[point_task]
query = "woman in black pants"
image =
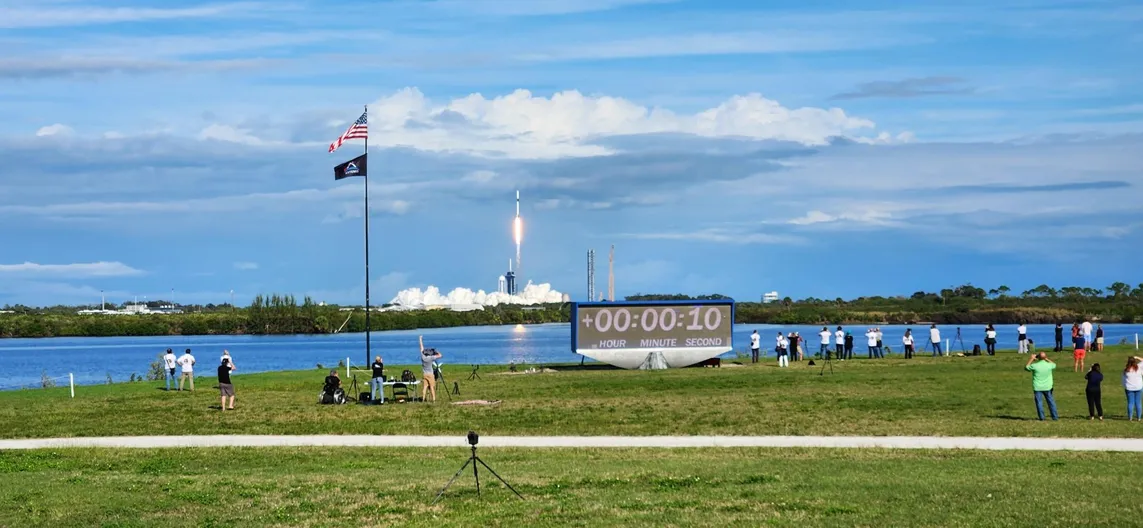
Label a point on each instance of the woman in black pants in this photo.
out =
(1094, 397)
(990, 340)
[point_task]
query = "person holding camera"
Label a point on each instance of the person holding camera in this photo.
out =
(1042, 383)
(187, 362)
(375, 384)
(170, 363)
(225, 388)
(428, 377)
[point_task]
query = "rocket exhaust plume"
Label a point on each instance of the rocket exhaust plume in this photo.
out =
(518, 231)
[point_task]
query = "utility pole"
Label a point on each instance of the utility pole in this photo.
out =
(611, 275)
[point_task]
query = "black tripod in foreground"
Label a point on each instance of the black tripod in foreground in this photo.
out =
(473, 438)
(475, 375)
(828, 360)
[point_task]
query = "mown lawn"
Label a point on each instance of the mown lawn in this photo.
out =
(568, 487)
(925, 396)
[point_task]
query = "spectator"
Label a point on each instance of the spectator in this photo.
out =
(429, 378)
(187, 362)
(1133, 385)
(825, 335)
(780, 350)
(935, 339)
(795, 346)
(1099, 337)
(1041, 368)
(839, 343)
(1059, 337)
(755, 346)
(908, 342)
(224, 385)
(848, 346)
(1075, 333)
(1094, 378)
(1077, 356)
(880, 343)
(1022, 338)
(170, 363)
(1086, 333)
(990, 340)
(375, 384)
(871, 342)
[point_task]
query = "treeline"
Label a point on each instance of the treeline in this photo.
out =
(267, 315)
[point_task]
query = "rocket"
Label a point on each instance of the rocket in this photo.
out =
(518, 230)
(517, 204)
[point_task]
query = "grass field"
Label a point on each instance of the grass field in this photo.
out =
(674, 487)
(988, 396)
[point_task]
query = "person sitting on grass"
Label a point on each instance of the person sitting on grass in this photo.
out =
(1041, 368)
(224, 385)
(1094, 392)
(428, 377)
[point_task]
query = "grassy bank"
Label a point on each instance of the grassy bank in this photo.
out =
(710, 487)
(989, 396)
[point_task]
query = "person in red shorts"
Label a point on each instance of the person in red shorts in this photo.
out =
(1078, 355)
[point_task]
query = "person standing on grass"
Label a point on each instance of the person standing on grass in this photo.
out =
(755, 345)
(825, 351)
(1094, 393)
(1022, 339)
(375, 383)
(780, 350)
(908, 342)
(839, 342)
(1099, 337)
(935, 339)
(187, 362)
(990, 340)
(1041, 368)
(171, 364)
(224, 385)
(880, 343)
(428, 356)
(1086, 327)
(871, 342)
(1133, 385)
(1059, 337)
(226, 356)
(1078, 355)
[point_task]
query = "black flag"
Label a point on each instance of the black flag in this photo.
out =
(353, 167)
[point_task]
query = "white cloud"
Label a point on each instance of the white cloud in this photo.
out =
(246, 266)
(720, 236)
(521, 125)
(868, 216)
(54, 130)
(91, 269)
(56, 16)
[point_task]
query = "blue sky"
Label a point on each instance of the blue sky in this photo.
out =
(815, 148)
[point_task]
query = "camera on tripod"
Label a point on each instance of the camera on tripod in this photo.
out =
(473, 438)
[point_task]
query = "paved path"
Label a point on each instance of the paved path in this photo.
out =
(894, 442)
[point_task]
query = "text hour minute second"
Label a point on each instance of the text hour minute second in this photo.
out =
(651, 319)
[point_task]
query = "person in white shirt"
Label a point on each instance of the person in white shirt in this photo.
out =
(1022, 339)
(907, 341)
(781, 349)
(935, 339)
(871, 341)
(187, 362)
(1086, 335)
(825, 334)
(839, 342)
(1133, 385)
(880, 343)
(990, 340)
(170, 364)
(226, 356)
(755, 346)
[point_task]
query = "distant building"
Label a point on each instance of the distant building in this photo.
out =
(770, 297)
(501, 284)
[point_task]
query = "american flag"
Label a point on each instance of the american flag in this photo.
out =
(358, 130)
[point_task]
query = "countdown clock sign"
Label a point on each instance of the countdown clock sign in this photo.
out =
(623, 333)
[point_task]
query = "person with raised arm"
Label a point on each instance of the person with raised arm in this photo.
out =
(1042, 383)
(428, 377)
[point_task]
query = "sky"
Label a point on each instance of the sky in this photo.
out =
(815, 148)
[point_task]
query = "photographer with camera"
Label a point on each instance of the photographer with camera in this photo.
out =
(429, 379)
(1041, 368)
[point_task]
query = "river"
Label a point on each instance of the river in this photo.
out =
(93, 359)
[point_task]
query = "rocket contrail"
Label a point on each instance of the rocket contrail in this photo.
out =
(518, 231)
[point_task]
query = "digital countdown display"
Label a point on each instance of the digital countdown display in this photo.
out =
(658, 325)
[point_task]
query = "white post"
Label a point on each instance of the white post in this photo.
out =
(71, 383)
(346, 368)
(1137, 341)
(948, 343)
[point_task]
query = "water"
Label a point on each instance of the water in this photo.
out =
(92, 359)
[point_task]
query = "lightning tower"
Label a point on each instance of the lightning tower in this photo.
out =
(611, 274)
(591, 274)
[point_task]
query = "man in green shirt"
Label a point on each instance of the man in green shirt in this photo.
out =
(1041, 368)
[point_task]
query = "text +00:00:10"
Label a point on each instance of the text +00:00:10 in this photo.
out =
(651, 320)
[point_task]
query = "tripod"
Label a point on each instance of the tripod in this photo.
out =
(474, 375)
(439, 375)
(828, 361)
(474, 460)
(958, 338)
(352, 396)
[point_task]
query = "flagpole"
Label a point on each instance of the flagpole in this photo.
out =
(368, 352)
